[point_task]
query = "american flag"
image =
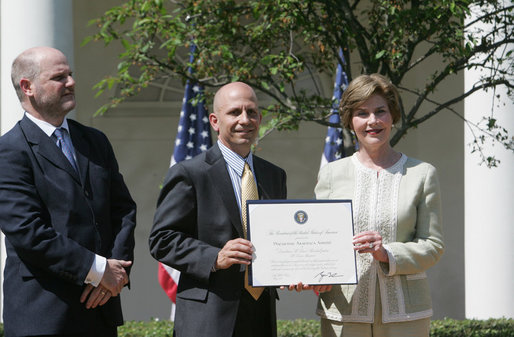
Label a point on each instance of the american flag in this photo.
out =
(194, 130)
(193, 137)
(334, 147)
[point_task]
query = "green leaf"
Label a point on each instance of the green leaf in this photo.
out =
(86, 40)
(125, 44)
(380, 54)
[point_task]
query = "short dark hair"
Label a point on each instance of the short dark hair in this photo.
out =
(26, 65)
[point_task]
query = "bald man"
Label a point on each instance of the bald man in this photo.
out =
(66, 213)
(197, 226)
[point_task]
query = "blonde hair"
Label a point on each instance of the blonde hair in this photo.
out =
(362, 88)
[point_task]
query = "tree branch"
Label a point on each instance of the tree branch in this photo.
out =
(488, 15)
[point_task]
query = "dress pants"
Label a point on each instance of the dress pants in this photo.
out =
(253, 317)
(418, 328)
(113, 333)
(98, 329)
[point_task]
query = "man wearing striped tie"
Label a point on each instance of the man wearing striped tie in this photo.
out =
(66, 213)
(199, 225)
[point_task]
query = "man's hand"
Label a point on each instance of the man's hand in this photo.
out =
(115, 277)
(97, 296)
(237, 251)
(300, 287)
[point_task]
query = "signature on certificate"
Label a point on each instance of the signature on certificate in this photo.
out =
(321, 275)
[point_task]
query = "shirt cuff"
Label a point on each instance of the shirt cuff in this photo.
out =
(97, 271)
(392, 262)
(213, 269)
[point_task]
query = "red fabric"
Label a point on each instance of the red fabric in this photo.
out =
(167, 282)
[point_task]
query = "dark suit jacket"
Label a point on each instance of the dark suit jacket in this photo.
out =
(197, 213)
(54, 221)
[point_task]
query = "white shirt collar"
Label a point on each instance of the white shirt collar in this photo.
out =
(47, 127)
(234, 160)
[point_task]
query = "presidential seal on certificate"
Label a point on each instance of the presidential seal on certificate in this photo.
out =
(308, 241)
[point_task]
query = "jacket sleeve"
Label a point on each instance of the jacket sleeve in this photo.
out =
(426, 247)
(323, 188)
(25, 221)
(122, 211)
(173, 238)
(284, 184)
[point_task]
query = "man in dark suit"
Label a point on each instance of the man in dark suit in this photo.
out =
(66, 213)
(198, 230)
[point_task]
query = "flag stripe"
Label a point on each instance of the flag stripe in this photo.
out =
(168, 279)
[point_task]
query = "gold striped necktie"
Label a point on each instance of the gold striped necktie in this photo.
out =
(248, 192)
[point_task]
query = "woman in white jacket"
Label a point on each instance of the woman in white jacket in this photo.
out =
(397, 218)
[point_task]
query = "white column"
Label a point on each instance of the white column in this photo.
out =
(489, 212)
(25, 24)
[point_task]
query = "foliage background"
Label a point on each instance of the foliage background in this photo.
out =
(310, 328)
(283, 48)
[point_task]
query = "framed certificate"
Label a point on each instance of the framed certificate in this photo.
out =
(308, 241)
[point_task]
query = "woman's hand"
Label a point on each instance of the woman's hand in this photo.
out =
(300, 287)
(370, 242)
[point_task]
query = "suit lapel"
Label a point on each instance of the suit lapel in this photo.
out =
(263, 183)
(46, 148)
(221, 181)
(81, 149)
